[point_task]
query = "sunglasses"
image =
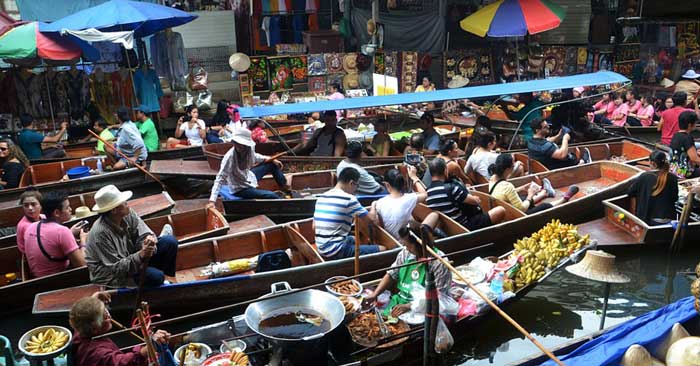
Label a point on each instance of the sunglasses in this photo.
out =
(4, 148)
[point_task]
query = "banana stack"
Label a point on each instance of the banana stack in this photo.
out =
(47, 341)
(544, 249)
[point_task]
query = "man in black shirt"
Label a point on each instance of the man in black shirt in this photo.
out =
(543, 149)
(452, 199)
(685, 161)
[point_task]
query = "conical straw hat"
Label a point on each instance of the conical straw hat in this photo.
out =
(598, 265)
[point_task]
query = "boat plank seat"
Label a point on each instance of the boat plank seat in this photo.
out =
(191, 225)
(447, 224)
(599, 151)
(302, 251)
(531, 166)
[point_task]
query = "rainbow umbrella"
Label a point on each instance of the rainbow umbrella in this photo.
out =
(514, 18)
(26, 42)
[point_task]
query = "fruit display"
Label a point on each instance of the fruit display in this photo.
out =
(239, 359)
(545, 249)
(47, 341)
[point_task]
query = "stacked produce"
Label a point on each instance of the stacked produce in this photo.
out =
(544, 249)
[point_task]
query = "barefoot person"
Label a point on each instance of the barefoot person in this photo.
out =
(240, 172)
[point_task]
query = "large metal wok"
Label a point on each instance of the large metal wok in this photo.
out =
(310, 301)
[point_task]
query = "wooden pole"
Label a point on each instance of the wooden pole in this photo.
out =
(606, 296)
(357, 245)
(108, 144)
(497, 309)
(123, 327)
(432, 310)
(676, 242)
(153, 357)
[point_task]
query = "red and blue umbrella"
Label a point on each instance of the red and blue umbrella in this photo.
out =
(514, 18)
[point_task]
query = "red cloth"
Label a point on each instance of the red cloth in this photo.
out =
(258, 135)
(670, 127)
(104, 352)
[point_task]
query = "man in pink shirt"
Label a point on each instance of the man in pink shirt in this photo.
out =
(619, 117)
(668, 125)
(49, 246)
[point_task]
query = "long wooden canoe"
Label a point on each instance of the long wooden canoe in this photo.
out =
(73, 151)
(188, 226)
(145, 207)
(192, 289)
(50, 176)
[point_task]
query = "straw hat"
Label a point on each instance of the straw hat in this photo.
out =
(242, 136)
(690, 74)
(598, 265)
(351, 81)
(350, 63)
(82, 212)
(239, 62)
(458, 81)
(666, 83)
(109, 197)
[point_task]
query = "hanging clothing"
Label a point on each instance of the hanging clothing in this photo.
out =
(275, 31)
(56, 93)
(168, 55)
(8, 93)
(109, 52)
(265, 27)
(79, 91)
(148, 89)
(101, 93)
(22, 83)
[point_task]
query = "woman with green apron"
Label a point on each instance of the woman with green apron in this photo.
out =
(411, 276)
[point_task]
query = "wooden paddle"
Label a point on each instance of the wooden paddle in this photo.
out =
(495, 307)
(679, 234)
(108, 144)
(273, 157)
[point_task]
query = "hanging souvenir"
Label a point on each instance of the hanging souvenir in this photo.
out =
(317, 84)
(299, 69)
(473, 64)
(409, 70)
(317, 65)
(334, 62)
(570, 62)
(258, 73)
(554, 61)
(379, 63)
(280, 71)
(390, 63)
(350, 63)
(334, 79)
(244, 84)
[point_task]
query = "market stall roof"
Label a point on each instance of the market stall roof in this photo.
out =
(597, 78)
(142, 18)
(24, 41)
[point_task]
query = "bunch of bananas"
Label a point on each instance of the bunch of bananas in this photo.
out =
(47, 341)
(544, 249)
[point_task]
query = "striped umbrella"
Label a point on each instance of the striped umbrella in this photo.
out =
(25, 41)
(513, 18)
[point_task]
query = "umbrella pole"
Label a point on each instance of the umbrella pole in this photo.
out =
(606, 296)
(517, 58)
(48, 89)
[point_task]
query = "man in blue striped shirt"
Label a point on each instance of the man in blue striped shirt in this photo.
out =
(333, 218)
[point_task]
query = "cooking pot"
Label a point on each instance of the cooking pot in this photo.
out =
(309, 301)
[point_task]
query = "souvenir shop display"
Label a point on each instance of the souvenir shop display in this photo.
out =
(351, 81)
(409, 71)
(379, 63)
(554, 61)
(299, 69)
(280, 70)
(391, 60)
(334, 79)
(350, 63)
(316, 65)
(317, 84)
(334, 62)
(626, 57)
(474, 64)
(258, 73)
(244, 84)
(570, 62)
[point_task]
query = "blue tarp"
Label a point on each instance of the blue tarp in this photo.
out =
(598, 78)
(51, 10)
(648, 330)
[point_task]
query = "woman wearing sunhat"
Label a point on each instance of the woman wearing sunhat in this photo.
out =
(119, 242)
(240, 172)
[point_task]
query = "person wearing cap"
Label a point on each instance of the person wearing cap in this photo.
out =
(120, 242)
(689, 84)
(431, 139)
(327, 141)
(542, 148)
(366, 184)
(49, 246)
(147, 129)
(240, 172)
(129, 143)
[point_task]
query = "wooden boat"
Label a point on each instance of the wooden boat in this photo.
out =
(73, 151)
(145, 207)
(191, 289)
(51, 176)
(187, 226)
(644, 133)
(655, 325)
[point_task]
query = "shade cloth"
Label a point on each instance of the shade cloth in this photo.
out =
(93, 35)
(52, 10)
(422, 32)
(598, 78)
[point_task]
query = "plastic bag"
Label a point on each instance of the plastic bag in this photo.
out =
(443, 338)
(448, 306)
(418, 296)
(198, 79)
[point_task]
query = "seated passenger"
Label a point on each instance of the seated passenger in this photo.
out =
(327, 141)
(30, 140)
(119, 242)
(405, 278)
(129, 143)
(194, 129)
(450, 152)
(685, 159)
(452, 199)
(102, 129)
(367, 184)
(13, 163)
(413, 154)
(89, 319)
(147, 129)
(655, 192)
(49, 246)
(239, 172)
(381, 142)
(503, 190)
(543, 149)
(333, 218)
(30, 201)
(393, 212)
(431, 137)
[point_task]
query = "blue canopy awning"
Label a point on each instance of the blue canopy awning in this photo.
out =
(597, 78)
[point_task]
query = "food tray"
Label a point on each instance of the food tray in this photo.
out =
(399, 327)
(336, 293)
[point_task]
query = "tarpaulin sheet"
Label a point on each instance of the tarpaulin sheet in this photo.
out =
(422, 31)
(597, 78)
(648, 330)
(51, 10)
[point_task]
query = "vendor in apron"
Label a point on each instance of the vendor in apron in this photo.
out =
(408, 277)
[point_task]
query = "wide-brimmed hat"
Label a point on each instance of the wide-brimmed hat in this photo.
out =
(579, 89)
(598, 265)
(351, 81)
(82, 212)
(690, 74)
(242, 136)
(666, 82)
(109, 197)
(364, 62)
(458, 81)
(239, 62)
(350, 63)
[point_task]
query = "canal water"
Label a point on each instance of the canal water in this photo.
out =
(561, 308)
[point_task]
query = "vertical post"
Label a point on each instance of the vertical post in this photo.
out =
(48, 89)
(432, 306)
(606, 295)
(357, 245)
